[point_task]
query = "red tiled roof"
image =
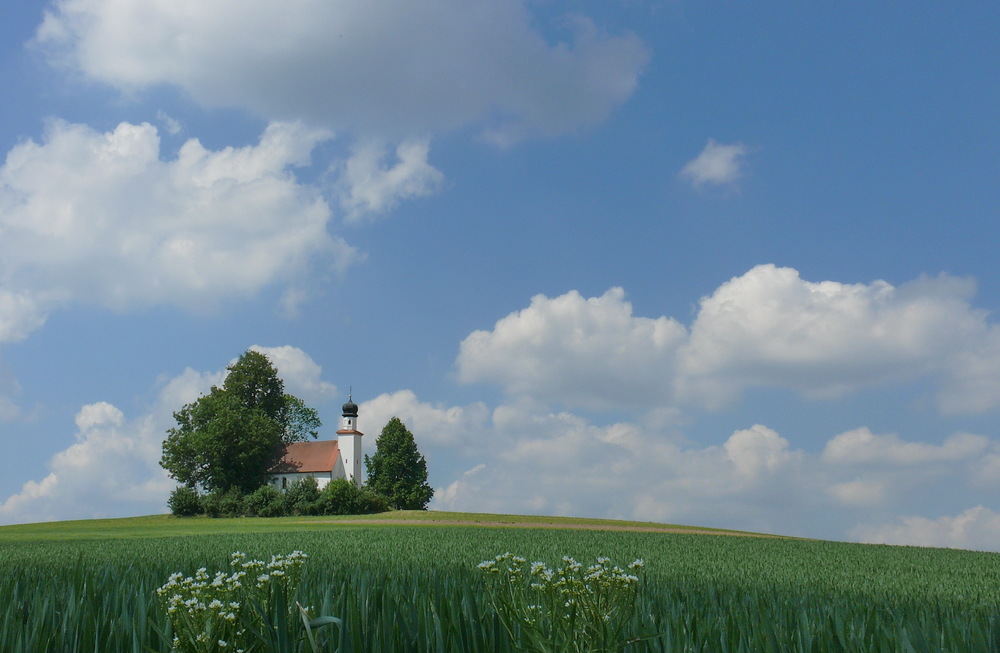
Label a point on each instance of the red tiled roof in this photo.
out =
(306, 457)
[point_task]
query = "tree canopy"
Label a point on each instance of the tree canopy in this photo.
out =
(230, 437)
(397, 471)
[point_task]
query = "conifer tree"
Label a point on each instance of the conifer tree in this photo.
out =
(397, 471)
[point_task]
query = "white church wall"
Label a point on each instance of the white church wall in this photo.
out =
(282, 482)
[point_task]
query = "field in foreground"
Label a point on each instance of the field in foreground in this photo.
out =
(409, 582)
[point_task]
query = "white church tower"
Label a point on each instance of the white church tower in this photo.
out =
(349, 442)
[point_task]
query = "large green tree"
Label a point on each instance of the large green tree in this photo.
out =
(397, 471)
(230, 437)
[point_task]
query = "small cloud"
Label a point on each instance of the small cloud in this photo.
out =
(861, 446)
(291, 301)
(373, 183)
(20, 314)
(170, 125)
(757, 451)
(718, 164)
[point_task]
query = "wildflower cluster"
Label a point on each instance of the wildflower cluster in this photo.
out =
(569, 608)
(212, 613)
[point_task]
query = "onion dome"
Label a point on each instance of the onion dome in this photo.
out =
(350, 408)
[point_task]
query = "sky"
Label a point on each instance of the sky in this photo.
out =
(727, 264)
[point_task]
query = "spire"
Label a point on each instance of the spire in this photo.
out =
(350, 408)
(349, 441)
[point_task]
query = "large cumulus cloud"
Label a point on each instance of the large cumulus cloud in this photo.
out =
(105, 219)
(581, 351)
(380, 67)
(765, 328)
(537, 462)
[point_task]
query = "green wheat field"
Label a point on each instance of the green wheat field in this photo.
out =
(409, 582)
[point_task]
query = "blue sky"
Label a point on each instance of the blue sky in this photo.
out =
(713, 263)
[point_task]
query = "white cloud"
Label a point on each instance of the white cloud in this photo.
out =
(536, 462)
(766, 328)
(369, 186)
(449, 495)
(757, 451)
(452, 426)
(558, 463)
(973, 381)
(769, 327)
(975, 528)
(985, 470)
(376, 67)
(20, 314)
(171, 125)
(584, 352)
(717, 164)
(111, 470)
(861, 446)
(183, 389)
(300, 373)
(100, 218)
(869, 470)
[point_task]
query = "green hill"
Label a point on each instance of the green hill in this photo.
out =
(409, 582)
(168, 526)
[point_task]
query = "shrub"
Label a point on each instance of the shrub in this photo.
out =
(184, 502)
(223, 504)
(339, 497)
(302, 497)
(265, 501)
(343, 497)
(370, 501)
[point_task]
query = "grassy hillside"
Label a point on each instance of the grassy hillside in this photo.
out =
(168, 526)
(409, 582)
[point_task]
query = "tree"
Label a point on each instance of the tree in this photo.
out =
(397, 471)
(230, 437)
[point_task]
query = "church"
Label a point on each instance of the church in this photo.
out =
(324, 460)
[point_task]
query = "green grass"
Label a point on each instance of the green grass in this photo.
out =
(168, 526)
(88, 585)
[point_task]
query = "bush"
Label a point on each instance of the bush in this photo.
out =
(184, 502)
(223, 504)
(302, 497)
(370, 501)
(343, 497)
(339, 497)
(265, 501)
